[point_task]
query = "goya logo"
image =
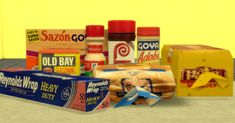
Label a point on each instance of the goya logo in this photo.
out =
(121, 50)
(148, 56)
(148, 45)
(63, 36)
(189, 76)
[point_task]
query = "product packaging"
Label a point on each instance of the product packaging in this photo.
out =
(65, 61)
(156, 79)
(148, 45)
(200, 70)
(77, 92)
(134, 94)
(121, 36)
(94, 40)
(40, 39)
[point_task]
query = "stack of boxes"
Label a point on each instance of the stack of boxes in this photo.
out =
(198, 70)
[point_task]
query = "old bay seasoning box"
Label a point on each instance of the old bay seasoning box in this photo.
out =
(40, 39)
(60, 61)
(200, 70)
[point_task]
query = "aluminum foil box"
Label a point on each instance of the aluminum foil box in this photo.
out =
(82, 93)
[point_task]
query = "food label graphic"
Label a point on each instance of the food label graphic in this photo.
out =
(90, 65)
(95, 48)
(189, 76)
(48, 35)
(129, 83)
(148, 52)
(77, 92)
(121, 52)
(60, 63)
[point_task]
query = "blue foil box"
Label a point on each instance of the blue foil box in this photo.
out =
(77, 92)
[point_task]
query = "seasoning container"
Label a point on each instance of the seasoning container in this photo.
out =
(65, 61)
(95, 56)
(148, 44)
(121, 36)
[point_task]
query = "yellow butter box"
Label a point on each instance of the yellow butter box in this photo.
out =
(200, 70)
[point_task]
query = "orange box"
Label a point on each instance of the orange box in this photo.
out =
(39, 39)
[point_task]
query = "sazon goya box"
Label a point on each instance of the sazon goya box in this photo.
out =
(60, 61)
(82, 93)
(39, 39)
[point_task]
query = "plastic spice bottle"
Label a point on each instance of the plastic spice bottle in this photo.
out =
(95, 56)
(121, 36)
(148, 44)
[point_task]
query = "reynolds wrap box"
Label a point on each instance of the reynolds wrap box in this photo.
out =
(82, 93)
(200, 70)
(40, 39)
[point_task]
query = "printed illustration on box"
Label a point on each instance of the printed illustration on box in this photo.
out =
(200, 70)
(156, 79)
(40, 39)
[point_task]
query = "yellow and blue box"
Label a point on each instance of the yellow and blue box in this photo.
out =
(65, 61)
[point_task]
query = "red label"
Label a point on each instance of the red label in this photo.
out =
(79, 101)
(95, 48)
(189, 76)
(123, 50)
(90, 65)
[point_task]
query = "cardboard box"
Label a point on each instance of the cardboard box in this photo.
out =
(39, 39)
(82, 93)
(200, 70)
(65, 61)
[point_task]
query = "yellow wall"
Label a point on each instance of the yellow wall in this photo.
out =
(182, 21)
(1, 34)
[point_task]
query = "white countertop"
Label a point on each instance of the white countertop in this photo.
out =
(179, 110)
